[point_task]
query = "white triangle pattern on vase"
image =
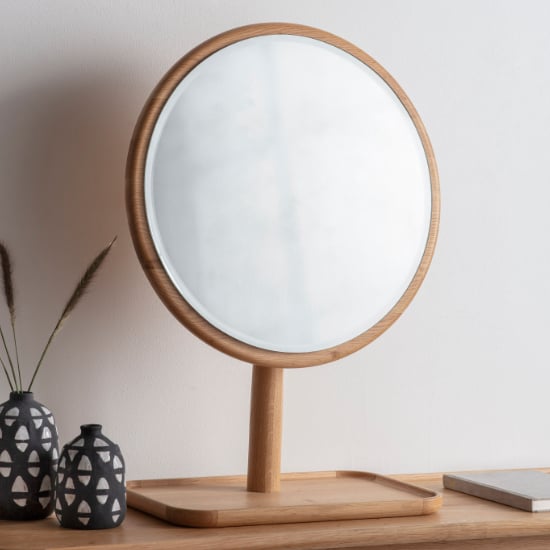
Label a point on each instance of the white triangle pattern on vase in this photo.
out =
(46, 438)
(19, 486)
(104, 455)
(33, 464)
(22, 438)
(44, 501)
(102, 484)
(84, 512)
(5, 463)
(84, 508)
(85, 464)
(46, 484)
(20, 491)
(118, 468)
(11, 416)
(84, 479)
(84, 468)
(69, 492)
(45, 494)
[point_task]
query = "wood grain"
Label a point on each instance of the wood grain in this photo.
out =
(464, 523)
(303, 497)
(266, 425)
(143, 242)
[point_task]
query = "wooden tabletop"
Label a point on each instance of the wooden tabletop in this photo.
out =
(463, 522)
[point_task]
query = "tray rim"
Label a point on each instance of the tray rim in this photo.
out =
(427, 501)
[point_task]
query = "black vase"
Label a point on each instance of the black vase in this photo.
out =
(90, 490)
(28, 458)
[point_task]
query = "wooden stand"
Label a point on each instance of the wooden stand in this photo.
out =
(266, 497)
(266, 427)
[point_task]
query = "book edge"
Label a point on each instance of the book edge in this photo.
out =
(490, 492)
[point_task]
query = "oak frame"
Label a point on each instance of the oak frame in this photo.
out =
(141, 235)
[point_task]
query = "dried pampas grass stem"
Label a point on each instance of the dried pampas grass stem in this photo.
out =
(76, 296)
(8, 294)
(7, 374)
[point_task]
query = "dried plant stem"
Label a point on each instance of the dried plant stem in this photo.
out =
(77, 294)
(52, 335)
(16, 354)
(7, 375)
(9, 359)
(5, 262)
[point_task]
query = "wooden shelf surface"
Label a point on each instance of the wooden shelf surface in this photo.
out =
(463, 522)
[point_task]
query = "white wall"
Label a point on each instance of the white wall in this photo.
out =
(461, 381)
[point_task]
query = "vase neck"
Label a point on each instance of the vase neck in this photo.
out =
(21, 396)
(90, 429)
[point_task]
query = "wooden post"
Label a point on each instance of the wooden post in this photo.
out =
(264, 449)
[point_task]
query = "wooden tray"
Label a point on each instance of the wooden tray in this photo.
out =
(304, 497)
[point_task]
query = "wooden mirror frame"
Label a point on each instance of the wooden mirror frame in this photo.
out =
(143, 241)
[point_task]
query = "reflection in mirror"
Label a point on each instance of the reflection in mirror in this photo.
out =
(287, 192)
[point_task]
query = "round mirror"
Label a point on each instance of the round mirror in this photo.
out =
(282, 195)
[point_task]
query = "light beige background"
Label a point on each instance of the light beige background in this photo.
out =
(461, 381)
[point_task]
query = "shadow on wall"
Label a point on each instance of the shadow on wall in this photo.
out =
(63, 148)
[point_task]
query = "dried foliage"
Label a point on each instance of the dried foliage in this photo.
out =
(82, 286)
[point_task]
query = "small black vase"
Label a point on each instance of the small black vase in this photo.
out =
(28, 458)
(90, 490)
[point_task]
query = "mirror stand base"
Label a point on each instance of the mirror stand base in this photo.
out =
(266, 496)
(303, 497)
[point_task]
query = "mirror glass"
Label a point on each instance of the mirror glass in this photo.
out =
(287, 192)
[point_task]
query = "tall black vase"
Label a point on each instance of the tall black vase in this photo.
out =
(90, 489)
(28, 458)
